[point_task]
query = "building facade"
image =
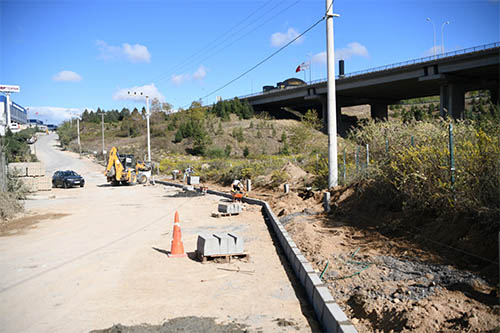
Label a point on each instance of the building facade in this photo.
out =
(11, 114)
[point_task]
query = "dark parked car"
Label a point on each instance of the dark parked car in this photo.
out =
(67, 179)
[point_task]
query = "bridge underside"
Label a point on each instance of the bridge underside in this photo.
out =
(448, 78)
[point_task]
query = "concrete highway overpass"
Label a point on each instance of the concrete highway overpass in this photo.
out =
(449, 75)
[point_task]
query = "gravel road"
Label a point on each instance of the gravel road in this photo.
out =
(97, 258)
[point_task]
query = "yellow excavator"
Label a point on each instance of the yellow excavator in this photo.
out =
(121, 169)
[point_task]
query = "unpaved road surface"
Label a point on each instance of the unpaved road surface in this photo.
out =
(95, 257)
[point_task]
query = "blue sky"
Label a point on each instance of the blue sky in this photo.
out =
(72, 55)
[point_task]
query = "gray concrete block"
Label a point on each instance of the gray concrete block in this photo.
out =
(188, 188)
(335, 320)
(239, 244)
(304, 269)
(311, 282)
(297, 262)
(321, 296)
(348, 328)
(230, 207)
(207, 245)
(193, 180)
(231, 244)
(223, 240)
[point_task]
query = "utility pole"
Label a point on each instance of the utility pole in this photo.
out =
(102, 127)
(147, 122)
(78, 132)
(331, 101)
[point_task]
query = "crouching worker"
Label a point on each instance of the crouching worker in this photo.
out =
(237, 190)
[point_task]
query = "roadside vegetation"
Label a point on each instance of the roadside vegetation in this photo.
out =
(16, 149)
(408, 156)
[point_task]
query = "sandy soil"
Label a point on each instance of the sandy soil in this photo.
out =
(93, 257)
(386, 281)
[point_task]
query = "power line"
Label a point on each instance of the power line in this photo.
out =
(249, 32)
(210, 43)
(209, 47)
(264, 60)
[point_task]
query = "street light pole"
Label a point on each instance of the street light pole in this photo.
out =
(102, 129)
(78, 132)
(442, 36)
(331, 100)
(147, 123)
(434, 30)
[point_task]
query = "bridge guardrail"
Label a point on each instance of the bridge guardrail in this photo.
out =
(395, 65)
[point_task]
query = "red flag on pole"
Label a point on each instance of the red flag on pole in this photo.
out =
(302, 67)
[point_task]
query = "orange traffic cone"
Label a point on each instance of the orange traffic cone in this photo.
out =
(177, 246)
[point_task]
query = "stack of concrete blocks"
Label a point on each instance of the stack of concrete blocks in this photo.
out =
(230, 207)
(32, 175)
(219, 244)
(193, 180)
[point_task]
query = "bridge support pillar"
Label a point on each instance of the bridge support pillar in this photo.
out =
(452, 100)
(494, 93)
(378, 111)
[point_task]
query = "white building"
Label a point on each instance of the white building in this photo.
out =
(11, 114)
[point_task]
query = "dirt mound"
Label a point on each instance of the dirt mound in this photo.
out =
(181, 324)
(297, 175)
(386, 275)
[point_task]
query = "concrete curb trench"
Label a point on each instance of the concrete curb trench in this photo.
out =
(328, 313)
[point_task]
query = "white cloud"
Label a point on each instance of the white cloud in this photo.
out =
(133, 53)
(180, 79)
(279, 39)
(352, 49)
(67, 76)
(147, 90)
(137, 52)
(319, 58)
(200, 73)
(53, 114)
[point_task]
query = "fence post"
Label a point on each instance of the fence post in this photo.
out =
(386, 145)
(344, 167)
(412, 141)
(367, 156)
(452, 158)
(3, 173)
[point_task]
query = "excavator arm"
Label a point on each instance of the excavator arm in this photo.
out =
(114, 169)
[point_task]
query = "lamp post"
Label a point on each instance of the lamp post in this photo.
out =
(434, 30)
(147, 121)
(442, 36)
(78, 132)
(102, 128)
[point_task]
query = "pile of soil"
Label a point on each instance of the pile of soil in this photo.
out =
(181, 324)
(386, 279)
